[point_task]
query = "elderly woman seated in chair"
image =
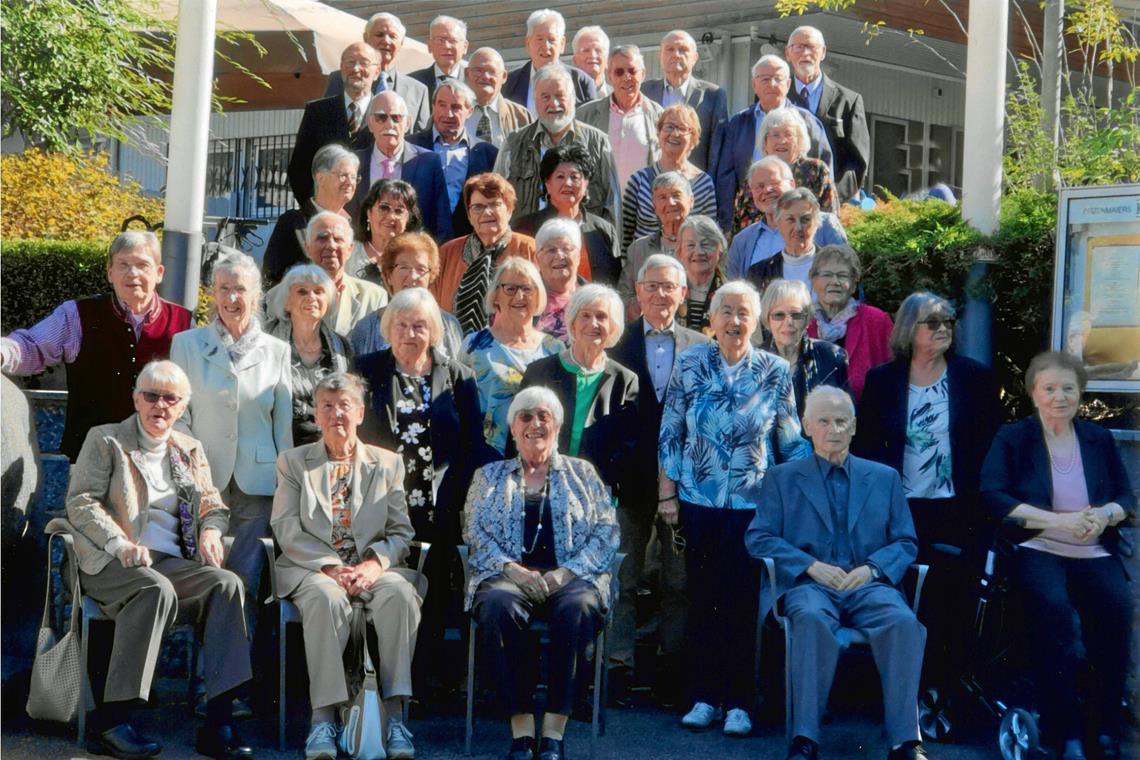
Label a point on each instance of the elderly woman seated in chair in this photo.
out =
(341, 519)
(542, 531)
(147, 524)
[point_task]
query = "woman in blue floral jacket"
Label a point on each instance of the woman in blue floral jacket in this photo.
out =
(542, 532)
(730, 413)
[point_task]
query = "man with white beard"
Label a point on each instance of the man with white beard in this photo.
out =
(522, 150)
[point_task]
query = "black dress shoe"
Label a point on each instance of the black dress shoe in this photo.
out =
(124, 742)
(522, 748)
(803, 748)
(551, 749)
(620, 686)
(1108, 747)
(221, 742)
(908, 751)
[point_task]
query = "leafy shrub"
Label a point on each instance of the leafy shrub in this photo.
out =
(52, 196)
(41, 274)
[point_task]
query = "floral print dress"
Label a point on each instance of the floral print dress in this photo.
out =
(926, 458)
(412, 428)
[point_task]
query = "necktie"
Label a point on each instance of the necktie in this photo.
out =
(383, 80)
(660, 333)
(483, 128)
(353, 118)
(804, 95)
(388, 165)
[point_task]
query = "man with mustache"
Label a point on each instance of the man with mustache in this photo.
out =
(493, 116)
(519, 159)
(627, 118)
(591, 48)
(393, 157)
(447, 42)
(386, 33)
(545, 41)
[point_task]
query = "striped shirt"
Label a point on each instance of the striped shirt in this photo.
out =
(637, 216)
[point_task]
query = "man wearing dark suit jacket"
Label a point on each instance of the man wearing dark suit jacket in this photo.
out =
(340, 118)
(650, 347)
(678, 57)
(447, 43)
(841, 535)
(545, 41)
(392, 157)
(385, 33)
(840, 109)
(734, 144)
(462, 155)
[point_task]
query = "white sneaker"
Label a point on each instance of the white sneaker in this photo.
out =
(700, 717)
(399, 741)
(737, 723)
(321, 744)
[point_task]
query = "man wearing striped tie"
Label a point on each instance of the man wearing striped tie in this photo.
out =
(494, 117)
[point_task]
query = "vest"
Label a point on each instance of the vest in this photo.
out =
(102, 378)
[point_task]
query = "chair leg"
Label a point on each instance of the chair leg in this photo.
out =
(599, 688)
(469, 726)
(788, 679)
(192, 678)
(84, 682)
(281, 652)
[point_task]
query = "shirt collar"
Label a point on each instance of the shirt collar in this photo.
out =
(669, 328)
(760, 112)
(813, 86)
(145, 318)
(379, 155)
(637, 105)
(681, 89)
(493, 105)
(439, 73)
(825, 467)
(437, 138)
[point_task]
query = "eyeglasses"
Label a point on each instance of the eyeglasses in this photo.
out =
(153, 397)
(514, 290)
(679, 542)
(680, 129)
(933, 323)
(771, 80)
(800, 47)
(388, 208)
(840, 276)
(528, 416)
(496, 205)
(668, 288)
(382, 117)
(780, 316)
(620, 72)
(417, 269)
(347, 177)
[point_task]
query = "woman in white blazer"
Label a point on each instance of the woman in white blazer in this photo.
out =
(241, 410)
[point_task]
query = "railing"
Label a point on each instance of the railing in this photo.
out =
(247, 177)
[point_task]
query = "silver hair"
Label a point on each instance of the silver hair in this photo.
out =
(556, 229)
(130, 240)
(915, 308)
(829, 394)
(706, 228)
(407, 300)
(736, 288)
(441, 19)
(772, 161)
(557, 71)
(322, 216)
(310, 274)
(805, 29)
(784, 290)
(671, 179)
(592, 29)
(399, 100)
(592, 293)
(843, 253)
(633, 52)
(771, 60)
(232, 261)
(680, 33)
(662, 261)
(491, 52)
(459, 89)
(784, 116)
(541, 16)
(526, 268)
(385, 15)
(326, 159)
(164, 372)
(341, 381)
(797, 195)
(529, 399)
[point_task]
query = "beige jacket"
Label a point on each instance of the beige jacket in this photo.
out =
(108, 496)
(302, 512)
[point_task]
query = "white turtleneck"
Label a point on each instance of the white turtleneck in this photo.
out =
(161, 531)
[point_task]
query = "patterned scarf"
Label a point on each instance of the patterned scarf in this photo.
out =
(470, 296)
(243, 345)
(835, 329)
(184, 489)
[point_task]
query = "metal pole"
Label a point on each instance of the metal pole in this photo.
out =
(189, 145)
(981, 171)
(1052, 68)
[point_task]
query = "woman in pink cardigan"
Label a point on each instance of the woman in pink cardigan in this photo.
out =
(863, 331)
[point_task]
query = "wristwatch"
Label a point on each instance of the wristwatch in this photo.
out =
(876, 573)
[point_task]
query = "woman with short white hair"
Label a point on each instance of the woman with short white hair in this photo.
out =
(559, 251)
(730, 413)
(701, 250)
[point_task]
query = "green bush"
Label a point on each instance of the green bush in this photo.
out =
(38, 275)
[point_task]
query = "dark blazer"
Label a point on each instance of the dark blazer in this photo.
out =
(426, 77)
(821, 363)
(975, 415)
(423, 170)
(599, 241)
(711, 104)
(518, 82)
(481, 157)
(641, 491)
(414, 93)
(844, 119)
(1017, 471)
(457, 444)
(285, 247)
(608, 434)
(325, 121)
(793, 522)
(732, 149)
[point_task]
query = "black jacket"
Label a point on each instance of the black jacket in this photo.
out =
(821, 363)
(325, 121)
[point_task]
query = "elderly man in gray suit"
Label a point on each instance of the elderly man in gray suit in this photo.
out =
(386, 33)
(841, 534)
(678, 57)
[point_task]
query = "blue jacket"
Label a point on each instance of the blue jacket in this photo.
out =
(741, 254)
(422, 169)
(480, 158)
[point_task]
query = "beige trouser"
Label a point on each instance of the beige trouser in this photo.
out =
(325, 608)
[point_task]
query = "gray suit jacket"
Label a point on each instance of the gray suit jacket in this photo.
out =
(414, 93)
(793, 522)
(596, 113)
(711, 104)
(302, 511)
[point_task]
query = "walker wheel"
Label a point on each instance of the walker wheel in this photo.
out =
(1017, 737)
(934, 717)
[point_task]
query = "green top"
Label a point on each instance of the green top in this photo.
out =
(585, 388)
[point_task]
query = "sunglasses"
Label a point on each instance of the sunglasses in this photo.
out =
(151, 397)
(934, 323)
(382, 117)
(527, 417)
(780, 316)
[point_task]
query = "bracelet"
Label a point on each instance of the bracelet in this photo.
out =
(667, 498)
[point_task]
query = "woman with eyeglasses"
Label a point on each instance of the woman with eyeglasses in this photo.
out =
(785, 309)
(390, 208)
(700, 249)
(543, 532)
(931, 415)
(559, 244)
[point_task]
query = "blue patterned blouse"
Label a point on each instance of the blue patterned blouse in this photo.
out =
(719, 437)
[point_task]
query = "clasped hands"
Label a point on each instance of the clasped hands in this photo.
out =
(837, 578)
(209, 547)
(1085, 525)
(535, 585)
(356, 579)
